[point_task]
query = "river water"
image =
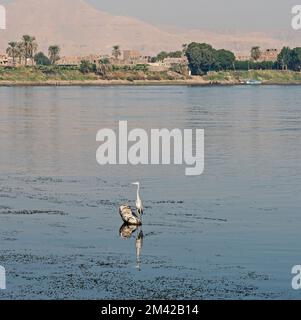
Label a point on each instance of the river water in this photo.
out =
(233, 232)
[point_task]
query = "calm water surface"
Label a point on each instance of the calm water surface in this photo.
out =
(233, 232)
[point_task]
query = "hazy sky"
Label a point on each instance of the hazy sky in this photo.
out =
(209, 14)
(222, 15)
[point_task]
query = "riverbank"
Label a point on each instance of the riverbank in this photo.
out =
(61, 77)
(189, 82)
(104, 83)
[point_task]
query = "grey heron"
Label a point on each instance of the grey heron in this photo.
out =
(139, 204)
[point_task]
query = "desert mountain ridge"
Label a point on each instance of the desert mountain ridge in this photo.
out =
(81, 29)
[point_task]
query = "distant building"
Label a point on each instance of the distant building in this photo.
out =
(241, 57)
(170, 62)
(76, 60)
(266, 55)
(68, 61)
(134, 57)
(157, 67)
(131, 54)
(4, 61)
(269, 55)
(92, 58)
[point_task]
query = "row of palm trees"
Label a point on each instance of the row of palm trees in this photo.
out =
(25, 50)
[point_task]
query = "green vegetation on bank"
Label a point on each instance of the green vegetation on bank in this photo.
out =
(37, 74)
(83, 73)
(43, 74)
(266, 76)
(163, 55)
(203, 58)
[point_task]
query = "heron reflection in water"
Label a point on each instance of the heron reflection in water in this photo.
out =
(126, 231)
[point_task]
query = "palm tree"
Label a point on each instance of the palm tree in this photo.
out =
(26, 47)
(53, 53)
(105, 67)
(255, 53)
(33, 49)
(20, 51)
(284, 58)
(12, 50)
(30, 47)
(184, 48)
(116, 53)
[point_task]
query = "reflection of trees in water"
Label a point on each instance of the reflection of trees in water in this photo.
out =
(126, 232)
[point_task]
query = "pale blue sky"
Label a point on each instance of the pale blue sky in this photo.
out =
(255, 15)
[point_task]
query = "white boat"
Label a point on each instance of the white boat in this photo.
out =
(253, 82)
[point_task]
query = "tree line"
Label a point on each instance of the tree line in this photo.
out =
(289, 59)
(26, 50)
(203, 58)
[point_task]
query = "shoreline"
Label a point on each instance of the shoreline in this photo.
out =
(103, 83)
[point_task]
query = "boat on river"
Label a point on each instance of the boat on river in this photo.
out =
(253, 82)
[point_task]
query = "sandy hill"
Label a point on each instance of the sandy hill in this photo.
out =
(81, 29)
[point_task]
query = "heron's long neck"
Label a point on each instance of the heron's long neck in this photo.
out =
(138, 193)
